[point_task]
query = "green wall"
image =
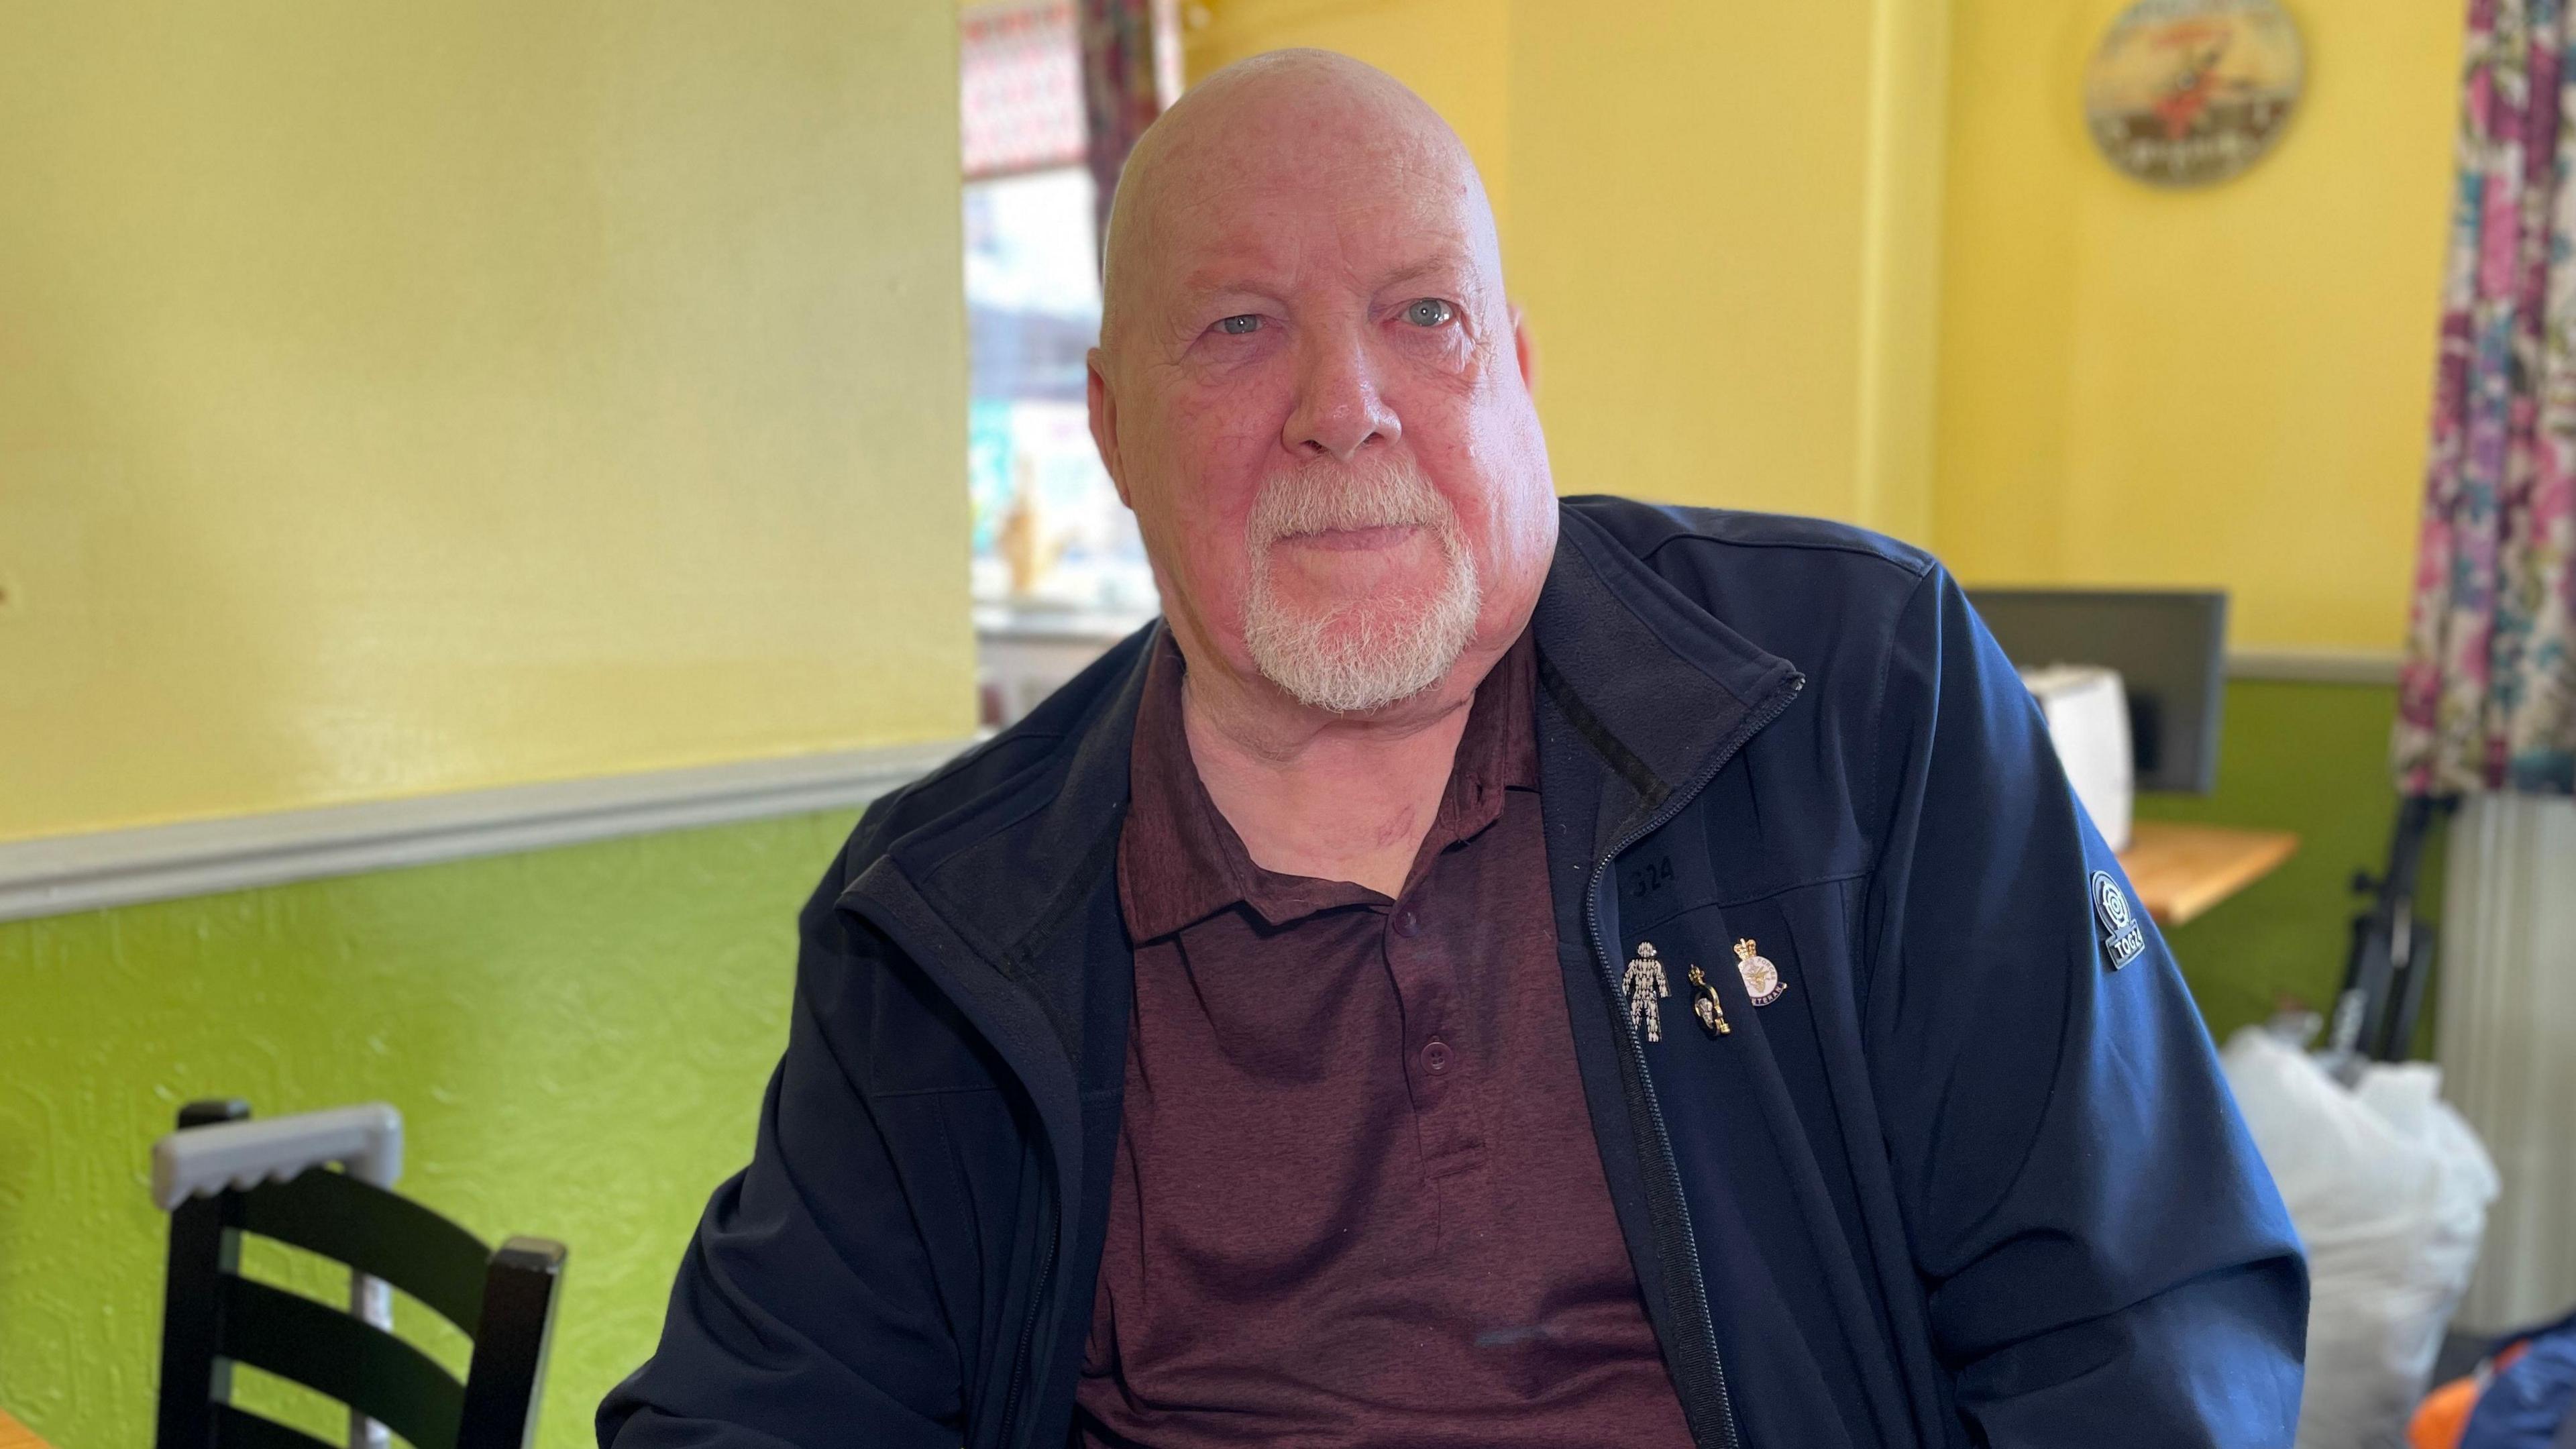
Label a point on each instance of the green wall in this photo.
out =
(2311, 758)
(577, 1039)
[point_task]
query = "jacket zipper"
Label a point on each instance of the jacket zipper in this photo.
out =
(1679, 1210)
(1029, 1325)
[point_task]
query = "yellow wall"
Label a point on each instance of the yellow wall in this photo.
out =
(2225, 386)
(1689, 246)
(403, 399)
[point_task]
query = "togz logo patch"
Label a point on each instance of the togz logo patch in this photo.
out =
(2123, 935)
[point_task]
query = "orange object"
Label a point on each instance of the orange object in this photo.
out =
(2444, 1415)
(14, 1435)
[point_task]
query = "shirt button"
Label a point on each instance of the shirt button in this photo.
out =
(1407, 924)
(1435, 1057)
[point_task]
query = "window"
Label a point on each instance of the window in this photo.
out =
(1050, 534)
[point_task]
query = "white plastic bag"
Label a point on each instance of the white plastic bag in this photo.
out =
(2389, 1190)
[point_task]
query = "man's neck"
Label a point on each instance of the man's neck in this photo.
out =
(1333, 798)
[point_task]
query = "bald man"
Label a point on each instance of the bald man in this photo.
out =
(1480, 970)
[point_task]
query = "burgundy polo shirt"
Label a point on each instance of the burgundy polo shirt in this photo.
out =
(1357, 1199)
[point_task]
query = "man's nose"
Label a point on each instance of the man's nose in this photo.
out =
(1339, 409)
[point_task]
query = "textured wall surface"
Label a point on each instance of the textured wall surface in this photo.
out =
(577, 1039)
(414, 399)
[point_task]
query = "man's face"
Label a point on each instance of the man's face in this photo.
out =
(1313, 398)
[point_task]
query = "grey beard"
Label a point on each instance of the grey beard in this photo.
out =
(1371, 653)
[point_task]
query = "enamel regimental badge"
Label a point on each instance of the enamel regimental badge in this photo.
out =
(1761, 979)
(2123, 934)
(1644, 986)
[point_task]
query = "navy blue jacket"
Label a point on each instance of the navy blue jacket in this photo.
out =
(1969, 1181)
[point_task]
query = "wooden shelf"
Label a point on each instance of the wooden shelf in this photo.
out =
(2180, 870)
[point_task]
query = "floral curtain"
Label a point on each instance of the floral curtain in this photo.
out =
(1131, 69)
(2487, 699)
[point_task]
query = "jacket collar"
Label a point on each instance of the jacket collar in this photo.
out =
(1650, 681)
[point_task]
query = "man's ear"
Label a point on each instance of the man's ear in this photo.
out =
(1524, 351)
(1104, 423)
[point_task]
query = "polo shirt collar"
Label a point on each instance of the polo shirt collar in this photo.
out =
(1180, 861)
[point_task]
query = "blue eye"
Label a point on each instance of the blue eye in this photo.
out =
(1428, 312)
(1242, 326)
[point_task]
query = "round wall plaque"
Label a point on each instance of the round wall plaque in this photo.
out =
(2187, 92)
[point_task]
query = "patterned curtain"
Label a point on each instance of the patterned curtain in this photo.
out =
(1131, 69)
(2487, 700)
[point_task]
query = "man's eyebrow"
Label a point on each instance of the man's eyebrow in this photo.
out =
(1449, 263)
(1199, 285)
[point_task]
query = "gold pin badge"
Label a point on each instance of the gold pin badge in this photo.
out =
(1643, 986)
(1705, 1005)
(1761, 979)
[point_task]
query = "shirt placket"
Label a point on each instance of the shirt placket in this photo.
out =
(1436, 1065)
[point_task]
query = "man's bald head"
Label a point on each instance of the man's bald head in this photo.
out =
(1263, 120)
(1312, 391)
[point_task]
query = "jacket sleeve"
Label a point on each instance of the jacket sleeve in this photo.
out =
(805, 1313)
(2106, 1259)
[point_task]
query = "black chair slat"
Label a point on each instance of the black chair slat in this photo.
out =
(503, 1388)
(204, 1250)
(237, 1430)
(204, 1247)
(379, 1233)
(325, 1349)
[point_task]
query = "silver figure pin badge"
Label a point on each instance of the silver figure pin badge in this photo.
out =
(1761, 979)
(1643, 986)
